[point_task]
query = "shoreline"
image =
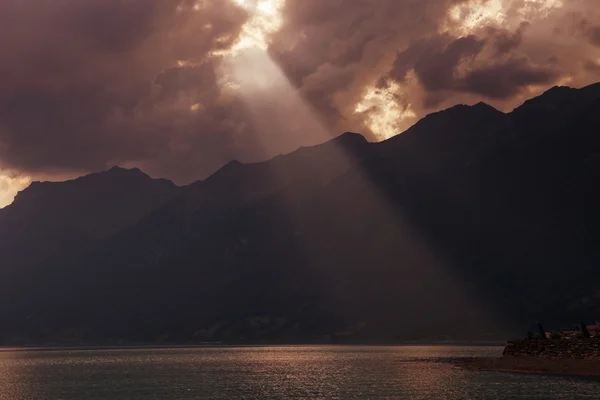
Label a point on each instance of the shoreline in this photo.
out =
(531, 364)
(93, 346)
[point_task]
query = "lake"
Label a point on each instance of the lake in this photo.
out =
(286, 372)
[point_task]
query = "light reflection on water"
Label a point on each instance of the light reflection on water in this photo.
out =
(320, 372)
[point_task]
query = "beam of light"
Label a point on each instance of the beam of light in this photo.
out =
(282, 120)
(383, 114)
(278, 112)
(10, 186)
(281, 117)
(265, 19)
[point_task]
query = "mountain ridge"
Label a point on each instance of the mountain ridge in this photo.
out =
(350, 241)
(593, 89)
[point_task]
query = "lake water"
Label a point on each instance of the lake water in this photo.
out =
(319, 372)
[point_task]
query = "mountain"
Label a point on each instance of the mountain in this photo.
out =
(50, 221)
(54, 216)
(472, 224)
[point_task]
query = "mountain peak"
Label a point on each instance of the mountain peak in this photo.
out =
(115, 173)
(103, 180)
(348, 140)
(350, 136)
(482, 105)
(460, 113)
(558, 99)
(120, 170)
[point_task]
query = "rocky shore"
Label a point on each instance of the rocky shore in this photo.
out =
(533, 364)
(558, 356)
(558, 349)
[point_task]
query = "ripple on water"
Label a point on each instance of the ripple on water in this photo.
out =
(304, 372)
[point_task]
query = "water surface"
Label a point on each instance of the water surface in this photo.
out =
(319, 372)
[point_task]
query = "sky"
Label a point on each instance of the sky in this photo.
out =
(179, 88)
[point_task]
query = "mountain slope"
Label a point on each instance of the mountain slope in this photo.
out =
(471, 224)
(51, 222)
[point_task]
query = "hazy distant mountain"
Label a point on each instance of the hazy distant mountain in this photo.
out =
(51, 221)
(471, 224)
(49, 215)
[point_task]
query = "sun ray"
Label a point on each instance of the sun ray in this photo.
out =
(265, 19)
(248, 72)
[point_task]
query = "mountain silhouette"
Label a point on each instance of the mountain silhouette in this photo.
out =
(52, 221)
(470, 224)
(58, 216)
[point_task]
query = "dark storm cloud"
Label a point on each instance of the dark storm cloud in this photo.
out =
(334, 49)
(588, 29)
(505, 41)
(506, 78)
(87, 84)
(477, 65)
(593, 33)
(435, 60)
(187, 79)
(579, 24)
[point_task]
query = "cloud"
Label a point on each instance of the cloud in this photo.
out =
(487, 66)
(578, 23)
(505, 41)
(10, 185)
(88, 84)
(98, 82)
(592, 66)
(435, 60)
(507, 78)
(593, 34)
